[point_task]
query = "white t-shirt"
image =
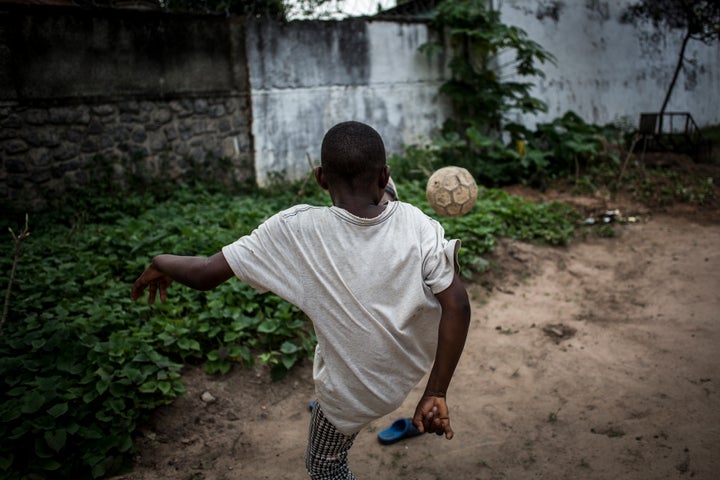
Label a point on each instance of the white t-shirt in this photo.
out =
(368, 286)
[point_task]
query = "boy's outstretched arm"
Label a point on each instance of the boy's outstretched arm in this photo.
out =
(431, 414)
(200, 273)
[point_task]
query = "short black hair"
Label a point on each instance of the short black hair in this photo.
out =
(352, 151)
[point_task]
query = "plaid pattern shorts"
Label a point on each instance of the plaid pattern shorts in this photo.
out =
(327, 450)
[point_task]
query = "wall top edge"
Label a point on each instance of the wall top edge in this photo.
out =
(95, 99)
(115, 12)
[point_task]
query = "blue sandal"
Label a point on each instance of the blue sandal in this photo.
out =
(401, 428)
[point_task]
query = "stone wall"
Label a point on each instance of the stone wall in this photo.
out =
(49, 151)
(108, 98)
(111, 98)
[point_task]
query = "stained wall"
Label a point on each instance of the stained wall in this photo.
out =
(607, 70)
(307, 76)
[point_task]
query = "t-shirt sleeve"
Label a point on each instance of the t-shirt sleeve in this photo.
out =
(260, 259)
(440, 257)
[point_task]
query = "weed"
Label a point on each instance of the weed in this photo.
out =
(17, 240)
(553, 416)
(529, 461)
(397, 457)
(605, 231)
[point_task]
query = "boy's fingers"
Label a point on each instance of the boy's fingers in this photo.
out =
(418, 422)
(442, 426)
(157, 284)
(438, 426)
(152, 293)
(449, 431)
(137, 290)
(430, 421)
(423, 418)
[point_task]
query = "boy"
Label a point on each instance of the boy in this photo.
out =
(377, 279)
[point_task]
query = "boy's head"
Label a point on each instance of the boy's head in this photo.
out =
(352, 153)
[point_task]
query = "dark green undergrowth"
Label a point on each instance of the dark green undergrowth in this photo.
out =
(81, 365)
(570, 155)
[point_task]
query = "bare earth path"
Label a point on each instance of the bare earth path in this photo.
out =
(596, 361)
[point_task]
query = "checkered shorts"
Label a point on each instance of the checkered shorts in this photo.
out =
(326, 454)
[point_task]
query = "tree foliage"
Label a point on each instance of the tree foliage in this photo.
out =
(699, 19)
(277, 9)
(272, 8)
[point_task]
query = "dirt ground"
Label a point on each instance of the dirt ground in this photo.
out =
(600, 360)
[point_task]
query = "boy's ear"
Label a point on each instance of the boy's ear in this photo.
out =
(320, 178)
(384, 177)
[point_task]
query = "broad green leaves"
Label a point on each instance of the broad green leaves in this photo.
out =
(81, 364)
(484, 54)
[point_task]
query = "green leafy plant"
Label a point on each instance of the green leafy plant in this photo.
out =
(572, 146)
(479, 42)
(489, 62)
(493, 66)
(81, 365)
(73, 392)
(657, 186)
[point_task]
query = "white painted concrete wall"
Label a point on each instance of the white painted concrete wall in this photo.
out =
(608, 71)
(307, 76)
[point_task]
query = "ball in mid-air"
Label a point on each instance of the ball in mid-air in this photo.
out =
(451, 191)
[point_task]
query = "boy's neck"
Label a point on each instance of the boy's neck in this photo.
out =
(363, 205)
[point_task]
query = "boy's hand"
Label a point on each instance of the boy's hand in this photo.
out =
(432, 416)
(156, 280)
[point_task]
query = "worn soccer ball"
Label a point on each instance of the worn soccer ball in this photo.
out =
(451, 191)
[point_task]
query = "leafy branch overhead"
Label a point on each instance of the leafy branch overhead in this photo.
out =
(698, 19)
(275, 9)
